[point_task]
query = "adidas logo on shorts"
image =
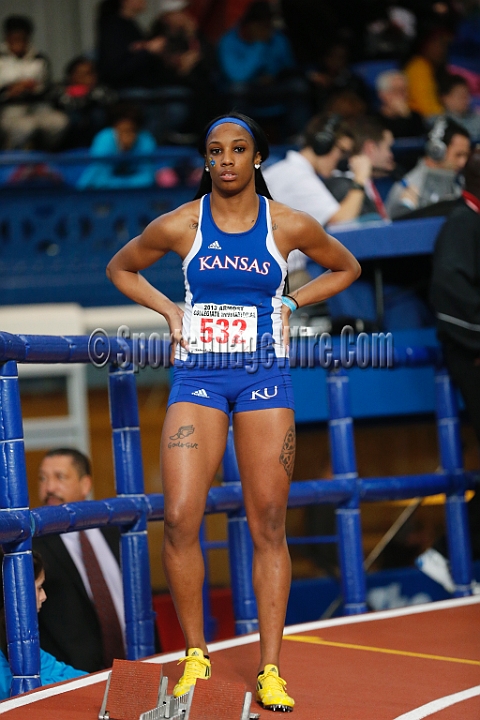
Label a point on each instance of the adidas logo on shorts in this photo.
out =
(215, 245)
(201, 393)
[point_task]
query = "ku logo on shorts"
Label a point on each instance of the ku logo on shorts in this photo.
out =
(264, 394)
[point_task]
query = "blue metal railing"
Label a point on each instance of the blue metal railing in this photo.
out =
(132, 508)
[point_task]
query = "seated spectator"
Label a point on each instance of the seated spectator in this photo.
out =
(300, 181)
(373, 143)
(79, 625)
(332, 75)
(456, 100)
(436, 177)
(51, 670)
(390, 30)
(84, 101)
(188, 61)
(347, 104)
(126, 59)
(424, 70)
(259, 73)
(126, 139)
(26, 119)
(394, 111)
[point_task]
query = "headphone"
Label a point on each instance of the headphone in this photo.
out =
(324, 140)
(435, 146)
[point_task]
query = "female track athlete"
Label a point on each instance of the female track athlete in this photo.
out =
(234, 242)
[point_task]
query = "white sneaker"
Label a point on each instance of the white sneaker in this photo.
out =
(433, 564)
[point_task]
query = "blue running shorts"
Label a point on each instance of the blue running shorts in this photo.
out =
(233, 389)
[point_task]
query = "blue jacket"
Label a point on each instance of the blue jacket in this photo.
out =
(245, 62)
(51, 671)
(128, 172)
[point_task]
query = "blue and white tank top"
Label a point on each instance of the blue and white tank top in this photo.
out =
(233, 288)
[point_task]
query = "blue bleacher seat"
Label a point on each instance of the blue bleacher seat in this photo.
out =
(369, 70)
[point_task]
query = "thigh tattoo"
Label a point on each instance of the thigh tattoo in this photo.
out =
(287, 455)
(183, 432)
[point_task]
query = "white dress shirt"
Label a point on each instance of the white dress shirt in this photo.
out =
(108, 564)
(294, 182)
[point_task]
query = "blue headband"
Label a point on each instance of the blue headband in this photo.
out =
(234, 120)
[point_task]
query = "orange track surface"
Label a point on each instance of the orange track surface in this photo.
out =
(372, 667)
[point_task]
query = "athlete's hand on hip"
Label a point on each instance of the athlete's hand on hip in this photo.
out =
(175, 323)
(286, 312)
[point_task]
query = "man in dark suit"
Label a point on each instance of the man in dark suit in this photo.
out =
(71, 629)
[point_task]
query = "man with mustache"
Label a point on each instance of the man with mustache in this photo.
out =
(71, 627)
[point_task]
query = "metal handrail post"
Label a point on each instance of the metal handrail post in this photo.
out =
(344, 465)
(128, 467)
(456, 516)
(23, 643)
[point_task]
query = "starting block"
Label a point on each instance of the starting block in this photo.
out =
(138, 691)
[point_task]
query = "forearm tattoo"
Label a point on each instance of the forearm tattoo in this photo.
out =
(287, 456)
(183, 432)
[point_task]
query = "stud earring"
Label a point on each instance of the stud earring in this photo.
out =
(257, 166)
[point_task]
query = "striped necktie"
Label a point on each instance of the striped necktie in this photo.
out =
(112, 640)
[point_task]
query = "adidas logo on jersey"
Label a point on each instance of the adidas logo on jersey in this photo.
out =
(215, 245)
(201, 393)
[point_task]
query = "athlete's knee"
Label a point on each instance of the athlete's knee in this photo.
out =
(179, 527)
(268, 527)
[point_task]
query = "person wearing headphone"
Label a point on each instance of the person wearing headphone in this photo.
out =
(373, 140)
(437, 176)
(298, 181)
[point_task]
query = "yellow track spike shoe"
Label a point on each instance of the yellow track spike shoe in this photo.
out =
(271, 691)
(197, 666)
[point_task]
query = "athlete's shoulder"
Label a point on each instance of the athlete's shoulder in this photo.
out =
(174, 226)
(185, 215)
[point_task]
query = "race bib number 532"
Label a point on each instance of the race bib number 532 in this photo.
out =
(223, 328)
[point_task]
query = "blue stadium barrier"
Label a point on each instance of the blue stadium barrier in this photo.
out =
(132, 509)
(55, 244)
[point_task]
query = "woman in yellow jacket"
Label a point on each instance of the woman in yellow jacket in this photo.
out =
(422, 71)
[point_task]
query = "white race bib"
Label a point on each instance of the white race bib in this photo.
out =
(223, 328)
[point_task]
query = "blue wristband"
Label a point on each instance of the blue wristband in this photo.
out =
(289, 303)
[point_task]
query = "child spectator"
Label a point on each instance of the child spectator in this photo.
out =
(51, 670)
(456, 99)
(126, 139)
(26, 118)
(84, 101)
